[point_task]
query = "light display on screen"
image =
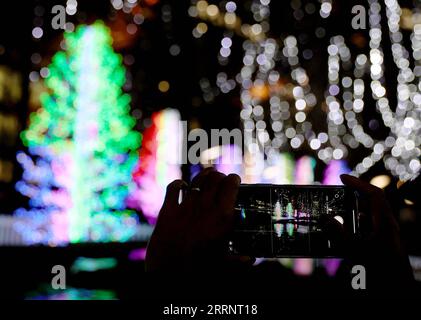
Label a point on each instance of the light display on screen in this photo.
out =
(82, 148)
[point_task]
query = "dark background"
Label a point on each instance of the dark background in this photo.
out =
(148, 62)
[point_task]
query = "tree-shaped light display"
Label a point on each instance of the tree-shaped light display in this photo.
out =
(82, 149)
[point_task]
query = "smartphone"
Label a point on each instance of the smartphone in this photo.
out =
(293, 221)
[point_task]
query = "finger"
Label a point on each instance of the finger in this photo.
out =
(197, 181)
(360, 185)
(227, 194)
(210, 188)
(221, 222)
(376, 198)
(172, 194)
(194, 194)
(335, 232)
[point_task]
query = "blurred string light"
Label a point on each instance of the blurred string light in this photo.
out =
(325, 8)
(400, 151)
(37, 32)
(10, 86)
(344, 129)
(163, 86)
(135, 7)
(129, 15)
(81, 148)
(225, 50)
(229, 19)
(71, 7)
(260, 81)
(158, 164)
(344, 100)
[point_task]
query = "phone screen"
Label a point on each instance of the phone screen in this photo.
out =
(287, 220)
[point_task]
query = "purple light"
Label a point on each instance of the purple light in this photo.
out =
(333, 172)
(137, 254)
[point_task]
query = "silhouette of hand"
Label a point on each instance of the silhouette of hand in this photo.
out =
(191, 235)
(381, 249)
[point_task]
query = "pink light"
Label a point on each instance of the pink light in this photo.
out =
(333, 172)
(157, 167)
(303, 266)
(304, 170)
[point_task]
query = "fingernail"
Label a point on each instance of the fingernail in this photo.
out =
(236, 177)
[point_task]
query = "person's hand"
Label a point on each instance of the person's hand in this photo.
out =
(191, 235)
(381, 248)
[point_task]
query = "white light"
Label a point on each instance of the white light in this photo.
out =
(339, 219)
(226, 42)
(415, 165)
(300, 117)
(117, 4)
(376, 70)
(290, 133)
(258, 111)
(225, 52)
(300, 104)
(315, 144)
(381, 181)
(290, 41)
(347, 82)
(379, 148)
(367, 162)
(338, 154)
(295, 143)
(231, 6)
(44, 72)
(358, 105)
(37, 32)
(326, 8)
(323, 137)
(409, 122)
(409, 145)
(277, 126)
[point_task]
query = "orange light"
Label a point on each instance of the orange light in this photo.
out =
(151, 2)
(260, 91)
(164, 86)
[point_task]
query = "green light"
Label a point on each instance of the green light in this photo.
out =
(85, 124)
